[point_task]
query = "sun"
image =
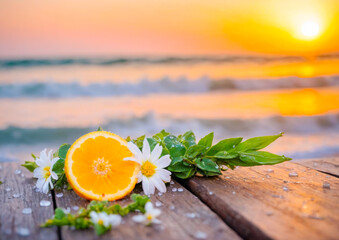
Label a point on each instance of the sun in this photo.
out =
(309, 29)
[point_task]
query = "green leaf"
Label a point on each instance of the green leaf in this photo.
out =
(152, 143)
(186, 174)
(34, 157)
(174, 146)
(179, 167)
(226, 155)
(188, 139)
(161, 135)
(208, 165)
(100, 229)
(100, 129)
(207, 140)
(30, 165)
(63, 150)
(194, 151)
(256, 143)
(59, 213)
(58, 167)
(128, 139)
(140, 141)
(224, 145)
(1, 182)
(254, 158)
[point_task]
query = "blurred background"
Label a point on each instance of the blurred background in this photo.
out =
(238, 68)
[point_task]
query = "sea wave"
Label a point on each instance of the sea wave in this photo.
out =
(164, 85)
(47, 62)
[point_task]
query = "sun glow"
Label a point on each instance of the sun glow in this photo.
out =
(309, 29)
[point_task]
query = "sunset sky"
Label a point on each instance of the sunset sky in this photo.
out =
(35, 28)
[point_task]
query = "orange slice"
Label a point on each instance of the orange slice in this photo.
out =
(95, 168)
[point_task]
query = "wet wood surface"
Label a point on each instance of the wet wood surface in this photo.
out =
(325, 165)
(183, 216)
(286, 201)
(16, 194)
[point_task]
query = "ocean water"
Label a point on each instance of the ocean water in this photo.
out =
(47, 102)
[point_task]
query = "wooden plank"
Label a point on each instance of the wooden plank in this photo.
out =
(177, 222)
(254, 202)
(326, 165)
(13, 223)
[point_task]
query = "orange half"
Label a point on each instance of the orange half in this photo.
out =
(95, 168)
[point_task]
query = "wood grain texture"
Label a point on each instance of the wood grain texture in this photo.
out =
(11, 217)
(175, 222)
(254, 203)
(326, 165)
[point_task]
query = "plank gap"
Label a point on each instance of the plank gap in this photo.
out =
(54, 207)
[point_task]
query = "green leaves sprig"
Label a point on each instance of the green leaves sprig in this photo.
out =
(82, 220)
(189, 158)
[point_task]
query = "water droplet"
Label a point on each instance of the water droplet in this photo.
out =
(190, 215)
(285, 188)
(18, 171)
(171, 182)
(180, 189)
(22, 175)
(158, 204)
(59, 195)
(45, 203)
(160, 193)
(172, 207)
(270, 170)
(16, 195)
(174, 189)
(315, 164)
(316, 216)
(27, 211)
(268, 176)
(200, 235)
(269, 213)
(233, 193)
(37, 190)
(327, 176)
(326, 185)
(75, 208)
(293, 174)
(24, 232)
(8, 189)
(49, 194)
(67, 210)
(210, 193)
(278, 196)
(233, 146)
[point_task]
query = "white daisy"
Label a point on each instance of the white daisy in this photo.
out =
(150, 215)
(102, 218)
(152, 172)
(44, 171)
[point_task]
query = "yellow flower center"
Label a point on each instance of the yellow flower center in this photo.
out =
(149, 217)
(101, 222)
(148, 169)
(101, 166)
(47, 172)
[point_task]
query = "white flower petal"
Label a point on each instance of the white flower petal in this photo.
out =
(163, 162)
(54, 160)
(50, 154)
(137, 160)
(164, 174)
(156, 221)
(39, 162)
(139, 218)
(54, 175)
(40, 183)
(155, 212)
(158, 183)
(149, 207)
(135, 150)
(156, 153)
(147, 186)
(45, 187)
(38, 172)
(146, 150)
(114, 219)
(139, 176)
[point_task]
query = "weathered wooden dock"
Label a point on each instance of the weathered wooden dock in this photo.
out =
(292, 200)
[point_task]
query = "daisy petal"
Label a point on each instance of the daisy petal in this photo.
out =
(137, 160)
(164, 174)
(156, 221)
(149, 207)
(135, 150)
(146, 151)
(163, 162)
(156, 153)
(147, 186)
(158, 183)
(139, 218)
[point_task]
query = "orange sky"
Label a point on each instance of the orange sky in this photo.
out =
(157, 27)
